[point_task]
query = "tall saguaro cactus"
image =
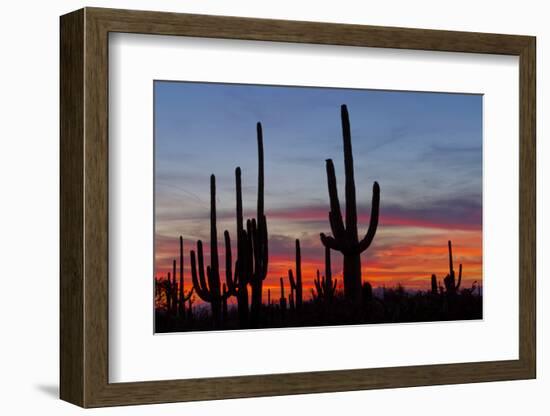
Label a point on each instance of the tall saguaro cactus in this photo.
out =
(450, 286)
(296, 284)
(208, 286)
(345, 237)
(257, 233)
(238, 285)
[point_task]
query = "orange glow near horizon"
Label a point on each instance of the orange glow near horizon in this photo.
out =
(405, 255)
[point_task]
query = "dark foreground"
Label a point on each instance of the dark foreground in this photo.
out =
(392, 306)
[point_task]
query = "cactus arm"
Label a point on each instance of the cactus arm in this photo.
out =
(459, 276)
(351, 205)
(335, 222)
(266, 246)
(202, 277)
(319, 288)
(253, 231)
(250, 250)
(373, 223)
(231, 283)
(202, 291)
(330, 242)
(335, 215)
(291, 279)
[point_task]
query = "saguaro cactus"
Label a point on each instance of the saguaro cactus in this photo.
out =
(282, 299)
(345, 237)
(325, 287)
(209, 290)
(257, 233)
(174, 289)
(238, 285)
(449, 280)
(182, 296)
(291, 304)
(296, 284)
(168, 291)
(434, 285)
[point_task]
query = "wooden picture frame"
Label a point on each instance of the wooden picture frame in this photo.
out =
(84, 207)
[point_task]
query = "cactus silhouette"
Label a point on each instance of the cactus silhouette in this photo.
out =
(209, 290)
(434, 285)
(182, 296)
(325, 288)
(168, 292)
(237, 285)
(366, 288)
(450, 286)
(345, 237)
(171, 291)
(282, 299)
(257, 234)
(174, 289)
(296, 284)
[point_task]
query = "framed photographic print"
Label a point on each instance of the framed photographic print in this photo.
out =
(332, 207)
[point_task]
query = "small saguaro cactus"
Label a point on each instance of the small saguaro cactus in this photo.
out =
(345, 237)
(434, 285)
(168, 292)
(209, 290)
(367, 292)
(325, 287)
(296, 284)
(282, 299)
(450, 286)
(174, 289)
(182, 296)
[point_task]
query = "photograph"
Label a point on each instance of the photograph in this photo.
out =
(290, 206)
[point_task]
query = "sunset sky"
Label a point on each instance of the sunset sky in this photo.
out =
(424, 149)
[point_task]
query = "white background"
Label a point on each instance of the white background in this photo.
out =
(136, 60)
(29, 211)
